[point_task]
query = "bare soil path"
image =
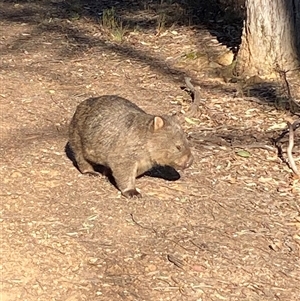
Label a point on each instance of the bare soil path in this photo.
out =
(228, 229)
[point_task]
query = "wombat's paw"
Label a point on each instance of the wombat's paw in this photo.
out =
(131, 193)
(92, 173)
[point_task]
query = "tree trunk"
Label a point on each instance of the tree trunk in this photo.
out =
(271, 37)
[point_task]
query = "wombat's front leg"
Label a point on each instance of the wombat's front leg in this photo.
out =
(125, 179)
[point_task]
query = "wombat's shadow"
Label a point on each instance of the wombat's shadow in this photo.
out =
(167, 173)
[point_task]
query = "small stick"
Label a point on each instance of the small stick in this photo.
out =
(189, 84)
(294, 107)
(195, 93)
(289, 150)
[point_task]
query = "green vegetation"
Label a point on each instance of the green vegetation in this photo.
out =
(114, 24)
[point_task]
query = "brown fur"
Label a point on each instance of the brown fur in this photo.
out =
(114, 132)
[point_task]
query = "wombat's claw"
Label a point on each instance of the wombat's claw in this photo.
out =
(131, 193)
(92, 173)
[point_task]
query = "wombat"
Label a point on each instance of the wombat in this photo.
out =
(112, 131)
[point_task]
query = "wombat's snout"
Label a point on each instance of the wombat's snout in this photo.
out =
(189, 161)
(185, 161)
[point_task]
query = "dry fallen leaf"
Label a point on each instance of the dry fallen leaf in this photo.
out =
(243, 153)
(191, 120)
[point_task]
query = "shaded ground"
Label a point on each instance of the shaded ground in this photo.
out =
(227, 230)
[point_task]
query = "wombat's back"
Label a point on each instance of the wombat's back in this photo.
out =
(107, 123)
(103, 107)
(106, 113)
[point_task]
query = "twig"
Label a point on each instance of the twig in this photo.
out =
(221, 141)
(189, 84)
(289, 150)
(255, 145)
(59, 105)
(195, 93)
(143, 227)
(294, 107)
(287, 85)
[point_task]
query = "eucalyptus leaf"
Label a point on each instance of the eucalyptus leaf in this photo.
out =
(191, 121)
(243, 153)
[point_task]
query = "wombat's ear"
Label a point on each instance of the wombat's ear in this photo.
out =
(158, 123)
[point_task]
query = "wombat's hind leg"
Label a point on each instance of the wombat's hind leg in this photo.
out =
(75, 146)
(85, 167)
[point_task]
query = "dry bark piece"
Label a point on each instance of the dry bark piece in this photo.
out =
(176, 261)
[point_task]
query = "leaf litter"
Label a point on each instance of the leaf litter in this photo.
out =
(227, 229)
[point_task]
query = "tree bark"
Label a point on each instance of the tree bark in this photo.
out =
(271, 37)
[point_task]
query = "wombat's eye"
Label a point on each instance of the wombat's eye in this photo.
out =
(178, 147)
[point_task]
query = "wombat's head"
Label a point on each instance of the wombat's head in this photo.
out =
(168, 144)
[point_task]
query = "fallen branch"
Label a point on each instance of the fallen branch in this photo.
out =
(217, 140)
(255, 145)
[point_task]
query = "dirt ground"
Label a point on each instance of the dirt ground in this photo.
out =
(228, 229)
